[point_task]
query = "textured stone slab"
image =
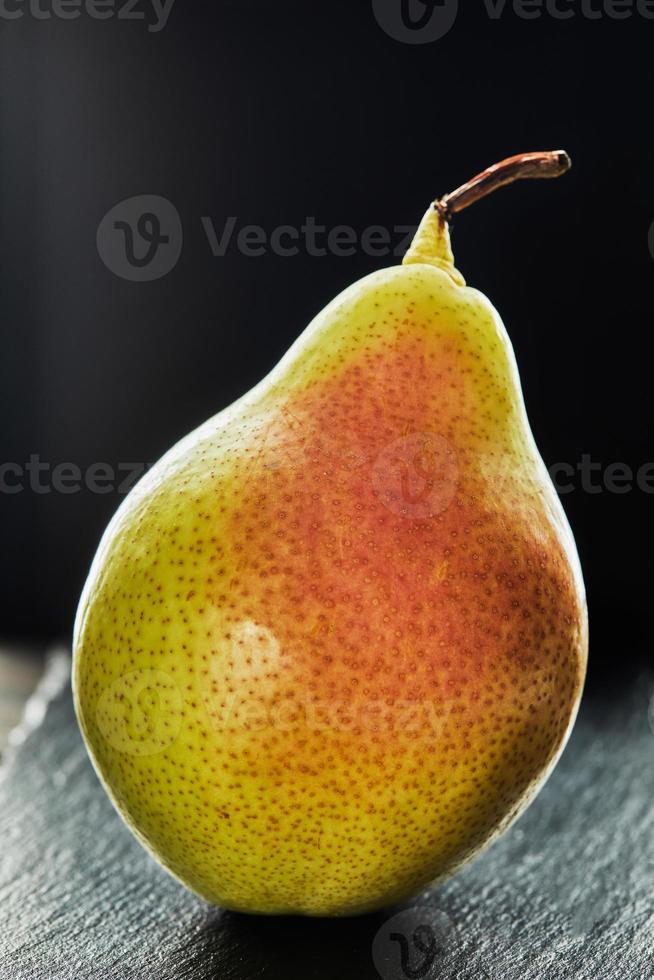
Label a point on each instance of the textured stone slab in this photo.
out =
(566, 893)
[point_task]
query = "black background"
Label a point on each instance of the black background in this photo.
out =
(272, 112)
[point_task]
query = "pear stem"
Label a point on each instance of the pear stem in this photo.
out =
(525, 165)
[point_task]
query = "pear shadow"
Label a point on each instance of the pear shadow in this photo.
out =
(234, 945)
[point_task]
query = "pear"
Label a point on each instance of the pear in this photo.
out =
(334, 642)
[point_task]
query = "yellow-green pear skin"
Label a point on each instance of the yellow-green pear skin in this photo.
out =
(334, 642)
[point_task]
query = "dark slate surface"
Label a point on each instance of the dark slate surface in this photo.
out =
(567, 893)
